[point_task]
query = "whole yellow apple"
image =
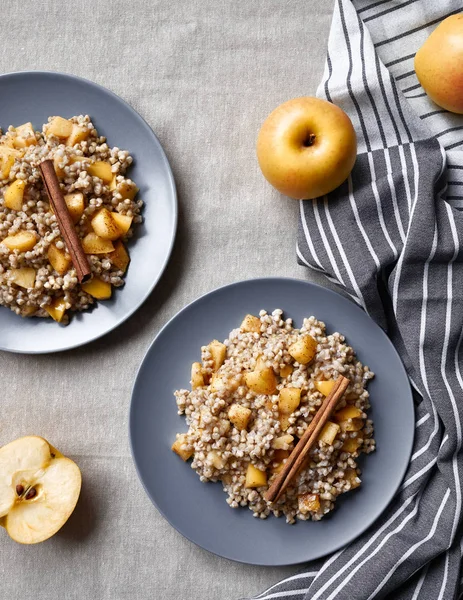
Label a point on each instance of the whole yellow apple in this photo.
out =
(439, 64)
(306, 147)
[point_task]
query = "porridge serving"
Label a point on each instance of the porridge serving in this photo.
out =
(37, 275)
(253, 397)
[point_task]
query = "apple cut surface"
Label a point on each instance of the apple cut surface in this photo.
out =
(27, 454)
(37, 519)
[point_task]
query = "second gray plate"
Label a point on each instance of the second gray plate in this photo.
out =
(34, 96)
(199, 510)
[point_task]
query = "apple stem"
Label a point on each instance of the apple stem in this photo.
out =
(310, 140)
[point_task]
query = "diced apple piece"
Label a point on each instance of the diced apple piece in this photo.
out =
(102, 170)
(251, 324)
(78, 134)
(96, 287)
(93, 244)
(304, 349)
(349, 412)
(351, 445)
(57, 309)
(57, 162)
(217, 384)
(59, 259)
(289, 400)
(329, 432)
(217, 461)
(24, 277)
(278, 460)
(260, 364)
(59, 127)
(25, 136)
(22, 241)
(286, 371)
(218, 353)
(119, 257)
(255, 477)
(325, 387)
(76, 205)
(178, 447)
(262, 381)
(123, 222)
(77, 158)
(104, 225)
(128, 190)
(7, 158)
(352, 477)
(281, 442)
(6, 162)
(308, 503)
(14, 194)
(239, 415)
(197, 378)
(352, 425)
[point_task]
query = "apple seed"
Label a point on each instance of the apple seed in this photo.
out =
(31, 493)
(19, 489)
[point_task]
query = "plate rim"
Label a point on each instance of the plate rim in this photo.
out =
(172, 185)
(222, 288)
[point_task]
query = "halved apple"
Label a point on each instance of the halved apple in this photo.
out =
(39, 489)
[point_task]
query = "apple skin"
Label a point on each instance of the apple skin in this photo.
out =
(439, 64)
(306, 147)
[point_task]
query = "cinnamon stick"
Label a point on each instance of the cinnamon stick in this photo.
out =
(303, 447)
(65, 224)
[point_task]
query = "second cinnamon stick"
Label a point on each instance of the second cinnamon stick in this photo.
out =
(65, 224)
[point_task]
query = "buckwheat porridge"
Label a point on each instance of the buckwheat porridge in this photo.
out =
(37, 277)
(252, 398)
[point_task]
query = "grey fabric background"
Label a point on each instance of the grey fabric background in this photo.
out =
(204, 74)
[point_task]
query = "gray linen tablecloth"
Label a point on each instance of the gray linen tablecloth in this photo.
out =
(204, 74)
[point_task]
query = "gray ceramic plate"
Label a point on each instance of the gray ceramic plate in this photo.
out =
(199, 510)
(34, 96)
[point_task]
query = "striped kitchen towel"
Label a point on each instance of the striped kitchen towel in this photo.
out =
(391, 237)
